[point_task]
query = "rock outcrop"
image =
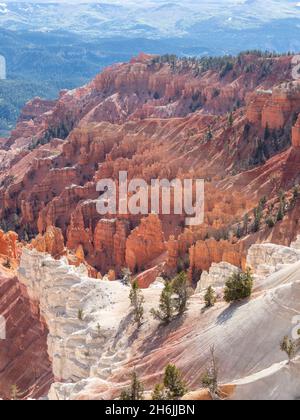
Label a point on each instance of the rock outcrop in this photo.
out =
(217, 276)
(204, 253)
(145, 244)
(8, 245)
(273, 108)
(296, 134)
(284, 102)
(24, 360)
(76, 310)
(51, 243)
(90, 338)
(265, 259)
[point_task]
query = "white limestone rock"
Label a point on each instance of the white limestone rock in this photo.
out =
(82, 314)
(266, 259)
(217, 276)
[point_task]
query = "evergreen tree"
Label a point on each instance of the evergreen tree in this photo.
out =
(126, 279)
(230, 119)
(239, 286)
(15, 393)
(246, 224)
(166, 305)
(135, 392)
(159, 393)
(267, 133)
(239, 232)
(172, 388)
(210, 378)
(137, 300)
(180, 288)
(175, 386)
(257, 219)
(289, 347)
(270, 222)
(210, 297)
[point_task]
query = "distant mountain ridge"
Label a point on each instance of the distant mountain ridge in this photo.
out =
(154, 19)
(52, 46)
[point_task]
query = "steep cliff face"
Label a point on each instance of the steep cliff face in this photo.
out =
(296, 134)
(24, 360)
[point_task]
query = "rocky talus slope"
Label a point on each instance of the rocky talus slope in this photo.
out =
(94, 347)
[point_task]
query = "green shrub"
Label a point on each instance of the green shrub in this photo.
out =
(210, 297)
(238, 287)
(135, 392)
(172, 388)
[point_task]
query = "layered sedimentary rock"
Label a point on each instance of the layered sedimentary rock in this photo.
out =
(24, 361)
(265, 259)
(296, 134)
(52, 242)
(217, 276)
(8, 244)
(204, 253)
(257, 102)
(273, 108)
(75, 308)
(284, 102)
(145, 244)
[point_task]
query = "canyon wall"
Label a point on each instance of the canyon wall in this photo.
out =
(24, 361)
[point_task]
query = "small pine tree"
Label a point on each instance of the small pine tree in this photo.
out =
(209, 135)
(80, 314)
(159, 393)
(180, 288)
(257, 212)
(230, 119)
(296, 195)
(239, 286)
(246, 224)
(165, 312)
(174, 385)
(210, 378)
(137, 300)
(126, 279)
(267, 132)
(289, 347)
(282, 207)
(15, 393)
(239, 232)
(210, 297)
(270, 222)
(135, 392)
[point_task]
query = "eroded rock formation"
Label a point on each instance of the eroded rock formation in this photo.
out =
(24, 361)
(153, 119)
(90, 333)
